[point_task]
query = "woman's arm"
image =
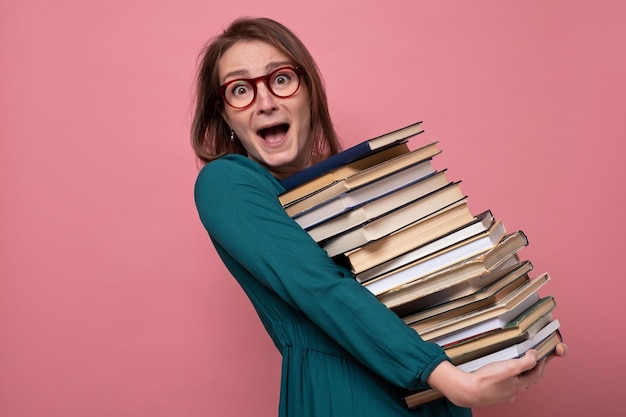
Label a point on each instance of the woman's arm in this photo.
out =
(237, 202)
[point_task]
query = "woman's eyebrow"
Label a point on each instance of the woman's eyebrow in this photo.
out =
(236, 73)
(273, 65)
(242, 73)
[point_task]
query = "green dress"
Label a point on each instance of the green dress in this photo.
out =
(344, 354)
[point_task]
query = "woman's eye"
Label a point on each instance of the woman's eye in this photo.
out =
(240, 90)
(282, 79)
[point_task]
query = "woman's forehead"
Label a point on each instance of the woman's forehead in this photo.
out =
(250, 59)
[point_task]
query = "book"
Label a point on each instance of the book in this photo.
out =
(544, 341)
(364, 176)
(351, 154)
(483, 320)
(481, 223)
(387, 248)
(428, 188)
(342, 172)
(488, 295)
(432, 214)
(416, 399)
(424, 277)
(490, 342)
(547, 335)
(460, 290)
(387, 190)
(521, 328)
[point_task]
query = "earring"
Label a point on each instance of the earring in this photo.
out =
(232, 136)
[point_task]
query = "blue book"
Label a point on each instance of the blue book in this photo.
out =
(351, 154)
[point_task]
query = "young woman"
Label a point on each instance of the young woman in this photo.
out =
(261, 115)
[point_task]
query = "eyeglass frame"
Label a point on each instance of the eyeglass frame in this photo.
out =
(266, 80)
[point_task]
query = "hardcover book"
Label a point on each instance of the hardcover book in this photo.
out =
(352, 154)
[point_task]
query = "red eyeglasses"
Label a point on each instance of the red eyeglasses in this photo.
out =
(283, 82)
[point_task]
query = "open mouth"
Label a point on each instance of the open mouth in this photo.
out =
(274, 133)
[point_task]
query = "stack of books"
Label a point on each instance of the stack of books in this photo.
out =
(407, 233)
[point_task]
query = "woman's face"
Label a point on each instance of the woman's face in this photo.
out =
(276, 132)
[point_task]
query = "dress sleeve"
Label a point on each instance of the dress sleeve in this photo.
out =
(237, 203)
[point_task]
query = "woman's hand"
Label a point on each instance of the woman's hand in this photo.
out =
(496, 383)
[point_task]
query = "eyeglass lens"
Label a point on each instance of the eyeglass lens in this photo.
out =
(282, 82)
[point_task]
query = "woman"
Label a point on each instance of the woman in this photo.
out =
(261, 115)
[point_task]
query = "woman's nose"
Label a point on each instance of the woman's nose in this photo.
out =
(265, 100)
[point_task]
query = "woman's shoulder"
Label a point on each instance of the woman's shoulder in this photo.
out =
(231, 165)
(234, 169)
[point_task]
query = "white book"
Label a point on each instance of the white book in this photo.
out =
(363, 194)
(376, 208)
(483, 223)
(430, 209)
(486, 319)
(417, 270)
(512, 352)
(452, 290)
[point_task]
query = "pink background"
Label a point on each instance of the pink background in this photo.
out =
(112, 300)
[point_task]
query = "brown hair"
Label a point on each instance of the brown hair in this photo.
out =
(209, 131)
